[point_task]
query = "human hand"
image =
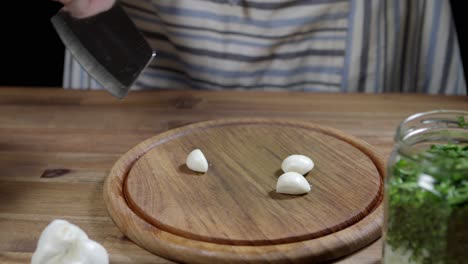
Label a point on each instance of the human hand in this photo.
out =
(86, 8)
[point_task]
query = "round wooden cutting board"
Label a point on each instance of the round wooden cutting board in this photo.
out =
(232, 213)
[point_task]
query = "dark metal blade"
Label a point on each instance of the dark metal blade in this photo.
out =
(108, 46)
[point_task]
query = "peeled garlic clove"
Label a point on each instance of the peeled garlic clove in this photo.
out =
(292, 183)
(63, 242)
(297, 163)
(196, 161)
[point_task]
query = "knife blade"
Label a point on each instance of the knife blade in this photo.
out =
(107, 45)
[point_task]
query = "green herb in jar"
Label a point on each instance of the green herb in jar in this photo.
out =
(428, 206)
(461, 122)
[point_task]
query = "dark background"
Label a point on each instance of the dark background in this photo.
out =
(27, 35)
(31, 51)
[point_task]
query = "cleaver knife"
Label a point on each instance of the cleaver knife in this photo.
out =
(107, 45)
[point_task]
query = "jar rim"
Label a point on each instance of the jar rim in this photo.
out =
(401, 133)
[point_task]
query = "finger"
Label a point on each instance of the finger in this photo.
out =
(87, 8)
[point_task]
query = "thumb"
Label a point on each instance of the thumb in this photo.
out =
(86, 8)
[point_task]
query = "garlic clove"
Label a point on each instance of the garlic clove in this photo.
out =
(196, 161)
(292, 183)
(62, 242)
(297, 163)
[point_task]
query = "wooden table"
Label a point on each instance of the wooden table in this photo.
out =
(57, 146)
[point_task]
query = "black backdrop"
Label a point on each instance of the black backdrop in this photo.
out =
(27, 35)
(31, 52)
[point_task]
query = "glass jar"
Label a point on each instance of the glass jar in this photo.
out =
(426, 190)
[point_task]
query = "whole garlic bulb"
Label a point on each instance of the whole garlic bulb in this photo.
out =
(62, 242)
(292, 183)
(297, 163)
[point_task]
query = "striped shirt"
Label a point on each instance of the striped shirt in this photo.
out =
(370, 46)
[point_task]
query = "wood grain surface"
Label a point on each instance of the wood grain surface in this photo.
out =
(84, 133)
(232, 213)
